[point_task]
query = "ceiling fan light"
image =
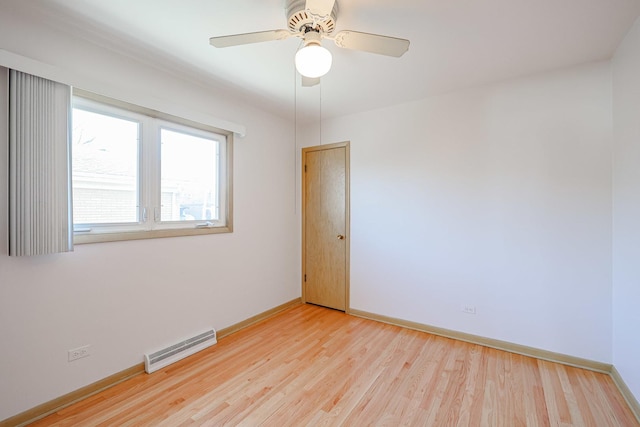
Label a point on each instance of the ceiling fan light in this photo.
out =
(313, 61)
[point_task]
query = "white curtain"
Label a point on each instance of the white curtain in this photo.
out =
(39, 166)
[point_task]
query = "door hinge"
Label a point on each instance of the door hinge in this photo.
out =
(305, 277)
(305, 168)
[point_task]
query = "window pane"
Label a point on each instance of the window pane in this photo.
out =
(105, 168)
(189, 177)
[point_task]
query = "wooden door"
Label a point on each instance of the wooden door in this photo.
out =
(325, 225)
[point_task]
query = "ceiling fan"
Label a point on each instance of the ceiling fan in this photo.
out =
(312, 21)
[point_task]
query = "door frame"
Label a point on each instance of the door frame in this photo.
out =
(347, 231)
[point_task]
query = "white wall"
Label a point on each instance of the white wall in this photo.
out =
(626, 210)
(498, 197)
(127, 298)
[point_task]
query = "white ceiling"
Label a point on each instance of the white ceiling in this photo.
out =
(454, 44)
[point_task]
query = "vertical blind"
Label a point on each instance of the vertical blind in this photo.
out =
(39, 166)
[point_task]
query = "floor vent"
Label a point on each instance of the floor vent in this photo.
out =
(166, 356)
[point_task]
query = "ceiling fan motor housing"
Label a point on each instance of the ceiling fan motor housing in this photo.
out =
(300, 20)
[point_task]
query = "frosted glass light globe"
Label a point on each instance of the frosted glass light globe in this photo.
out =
(313, 61)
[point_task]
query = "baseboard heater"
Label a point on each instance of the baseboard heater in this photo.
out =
(166, 356)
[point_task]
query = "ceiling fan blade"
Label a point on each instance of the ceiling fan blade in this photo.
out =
(373, 43)
(320, 7)
(247, 38)
(309, 81)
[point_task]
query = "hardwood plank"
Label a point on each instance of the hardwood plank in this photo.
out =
(489, 342)
(313, 366)
(626, 392)
(554, 395)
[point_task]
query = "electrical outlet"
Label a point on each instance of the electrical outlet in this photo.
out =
(80, 352)
(469, 309)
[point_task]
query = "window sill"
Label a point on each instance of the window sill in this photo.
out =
(81, 239)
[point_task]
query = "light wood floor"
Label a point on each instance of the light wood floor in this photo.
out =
(315, 366)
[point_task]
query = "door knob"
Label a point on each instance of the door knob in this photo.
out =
(340, 237)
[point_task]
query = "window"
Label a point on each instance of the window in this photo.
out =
(141, 174)
(105, 168)
(189, 176)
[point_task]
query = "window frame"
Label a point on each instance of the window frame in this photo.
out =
(149, 177)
